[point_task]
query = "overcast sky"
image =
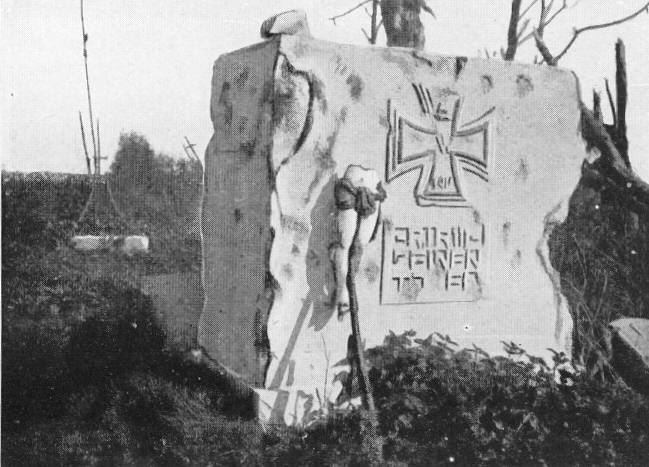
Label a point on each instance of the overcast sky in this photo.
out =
(151, 61)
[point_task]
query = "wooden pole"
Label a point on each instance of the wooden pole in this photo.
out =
(372, 443)
(98, 150)
(85, 147)
(364, 381)
(190, 146)
(85, 60)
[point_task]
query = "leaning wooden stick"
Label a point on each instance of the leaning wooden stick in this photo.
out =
(363, 376)
(357, 197)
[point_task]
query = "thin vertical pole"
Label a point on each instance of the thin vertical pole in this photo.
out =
(98, 150)
(85, 60)
(371, 441)
(85, 147)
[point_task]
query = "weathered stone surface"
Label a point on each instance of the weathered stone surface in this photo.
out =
(291, 22)
(237, 234)
(178, 303)
(478, 159)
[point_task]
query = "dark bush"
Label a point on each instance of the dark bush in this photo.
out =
(444, 406)
(123, 340)
(21, 221)
(333, 441)
(35, 381)
(38, 210)
(61, 332)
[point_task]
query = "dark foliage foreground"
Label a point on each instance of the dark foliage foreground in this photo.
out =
(440, 405)
(101, 390)
(86, 379)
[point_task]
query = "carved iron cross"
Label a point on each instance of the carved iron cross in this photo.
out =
(442, 152)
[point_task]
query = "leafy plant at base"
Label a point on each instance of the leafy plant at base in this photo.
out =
(446, 406)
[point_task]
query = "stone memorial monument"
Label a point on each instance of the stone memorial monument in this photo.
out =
(478, 159)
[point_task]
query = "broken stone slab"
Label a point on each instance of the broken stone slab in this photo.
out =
(292, 22)
(631, 351)
(129, 244)
(478, 159)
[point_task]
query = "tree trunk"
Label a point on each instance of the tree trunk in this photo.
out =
(620, 139)
(402, 24)
(512, 31)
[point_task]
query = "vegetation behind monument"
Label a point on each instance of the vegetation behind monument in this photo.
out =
(156, 193)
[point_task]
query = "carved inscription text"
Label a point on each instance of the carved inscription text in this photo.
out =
(432, 263)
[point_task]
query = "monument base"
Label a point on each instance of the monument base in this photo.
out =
(296, 407)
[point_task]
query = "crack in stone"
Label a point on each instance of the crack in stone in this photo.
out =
(550, 221)
(308, 121)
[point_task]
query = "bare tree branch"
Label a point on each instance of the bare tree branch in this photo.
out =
(549, 7)
(529, 7)
(545, 23)
(374, 27)
(593, 27)
(542, 16)
(543, 49)
(526, 23)
(427, 9)
(610, 102)
(334, 18)
(512, 32)
(556, 13)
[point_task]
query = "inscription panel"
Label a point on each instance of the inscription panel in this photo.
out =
(433, 262)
